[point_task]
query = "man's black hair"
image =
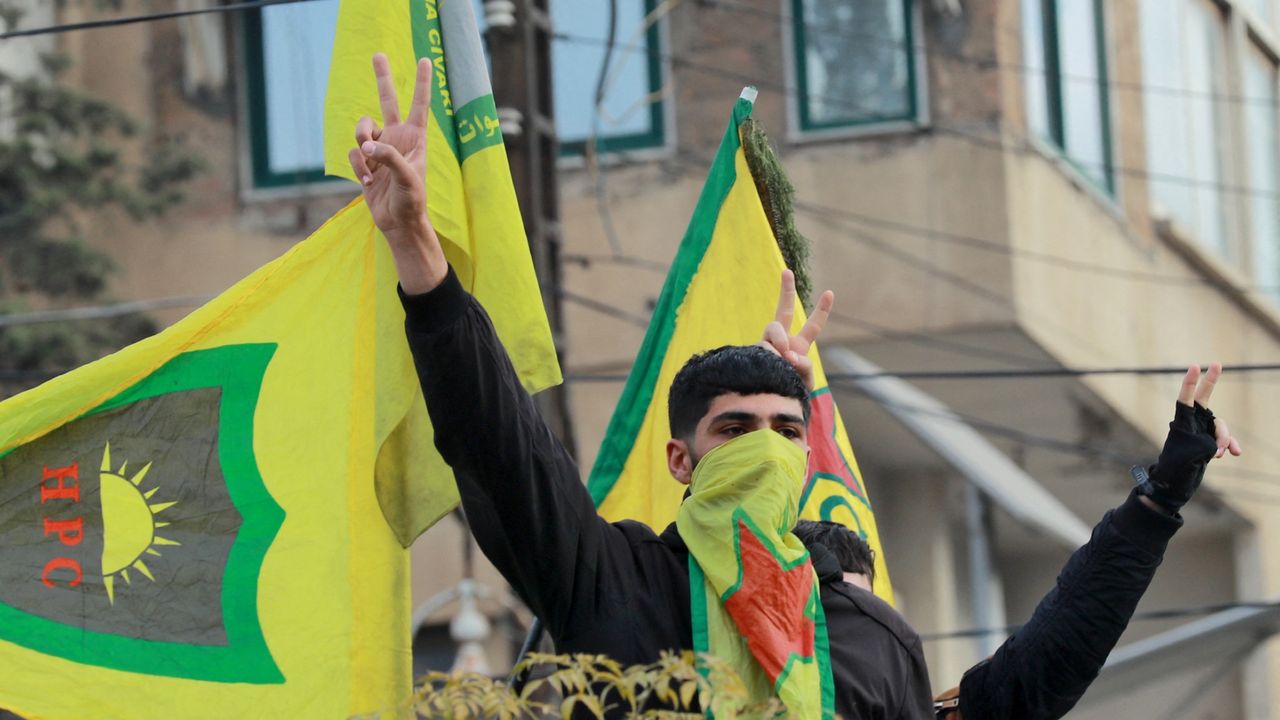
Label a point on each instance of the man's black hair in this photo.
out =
(739, 369)
(850, 550)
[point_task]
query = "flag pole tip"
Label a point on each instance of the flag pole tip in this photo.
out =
(749, 94)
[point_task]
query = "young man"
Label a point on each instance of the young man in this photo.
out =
(623, 590)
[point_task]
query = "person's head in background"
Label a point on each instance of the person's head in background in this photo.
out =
(857, 559)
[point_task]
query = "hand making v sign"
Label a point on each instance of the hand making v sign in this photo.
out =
(391, 163)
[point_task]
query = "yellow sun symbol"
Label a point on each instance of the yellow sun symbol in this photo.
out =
(129, 524)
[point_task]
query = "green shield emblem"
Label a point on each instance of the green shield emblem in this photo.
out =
(132, 537)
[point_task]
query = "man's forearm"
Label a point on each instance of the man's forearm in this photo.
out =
(521, 491)
(419, 260)
(1041, 671)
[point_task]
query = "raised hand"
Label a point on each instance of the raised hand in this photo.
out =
(390, 162)
(1195, 437)
(795, 348)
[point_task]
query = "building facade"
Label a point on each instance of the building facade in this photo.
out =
(986, 185)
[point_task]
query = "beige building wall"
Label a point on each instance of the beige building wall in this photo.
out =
(998, 253)
(917, 294)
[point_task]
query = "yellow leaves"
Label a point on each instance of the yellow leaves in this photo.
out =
(675, 687)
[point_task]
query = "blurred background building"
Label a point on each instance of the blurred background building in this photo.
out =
(987, 186)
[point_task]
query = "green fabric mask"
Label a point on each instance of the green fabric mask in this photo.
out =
(753, 591)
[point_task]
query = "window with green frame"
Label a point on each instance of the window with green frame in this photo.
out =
(1065, 74)
(631, 116)
(855, 62)
(287, 50)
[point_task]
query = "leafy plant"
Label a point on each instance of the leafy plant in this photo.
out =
(676, 687)
(61, 165)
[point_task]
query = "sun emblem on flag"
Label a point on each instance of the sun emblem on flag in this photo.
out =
(129, 525)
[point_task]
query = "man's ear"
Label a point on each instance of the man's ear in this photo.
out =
(680, 461)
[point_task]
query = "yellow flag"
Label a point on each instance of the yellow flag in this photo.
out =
(190, 527)
(470, 197)
(729, 251)
(213, 522)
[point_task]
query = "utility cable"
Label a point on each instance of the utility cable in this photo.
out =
(991, 63)
(1165, 614)
(150, 17)
(99, 312)
(680, 61)
(844, 216)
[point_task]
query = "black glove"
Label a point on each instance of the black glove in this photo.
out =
(1189, 447)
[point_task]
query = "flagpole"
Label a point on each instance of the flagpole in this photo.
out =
(517, 679)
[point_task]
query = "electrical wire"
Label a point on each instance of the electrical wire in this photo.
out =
(592, 145)
(991, 62)
(1108, 167)
(98, 312)
(150, 17)
(608, 75)
(729, 6)
(844, 216)
(139, 306)
(1021, 146)
(1164, 614)
(605, 309)
(921, 375)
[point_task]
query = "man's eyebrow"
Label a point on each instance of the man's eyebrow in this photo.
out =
(735, 415)
(788, 418)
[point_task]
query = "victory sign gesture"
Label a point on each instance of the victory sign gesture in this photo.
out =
(1195, 438)
(391, 163)
(795, 348)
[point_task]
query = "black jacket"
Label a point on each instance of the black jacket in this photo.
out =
(1042, 669)
(883, 675)
(618, 588)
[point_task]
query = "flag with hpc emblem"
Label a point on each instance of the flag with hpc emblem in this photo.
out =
(212, 522)
(188, 525)
(729, 251)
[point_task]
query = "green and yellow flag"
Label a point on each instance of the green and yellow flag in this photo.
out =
(471, 200)
(190, 527)
(213, 522)
(721, 290)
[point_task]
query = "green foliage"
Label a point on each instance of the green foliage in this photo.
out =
(778, 195)
(676, 687)
(61, 167)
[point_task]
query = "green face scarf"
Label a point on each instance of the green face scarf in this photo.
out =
(753, 592)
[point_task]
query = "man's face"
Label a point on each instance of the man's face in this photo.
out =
(732, 415)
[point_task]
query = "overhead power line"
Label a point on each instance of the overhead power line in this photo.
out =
(974, 374)
(991, 62)
(1164, 614)
(844, 217)
(150, 17)
(1018, 145)
(99, 312)
(678, 60)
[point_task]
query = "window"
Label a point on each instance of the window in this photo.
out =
(1064, 55)
(1260, 82)
(1183, 72)
(631, 116)
(855, 62)
(287, 51)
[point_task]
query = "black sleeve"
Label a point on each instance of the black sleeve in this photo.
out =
(918, 697)
(524, 499)
(1045, 667)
